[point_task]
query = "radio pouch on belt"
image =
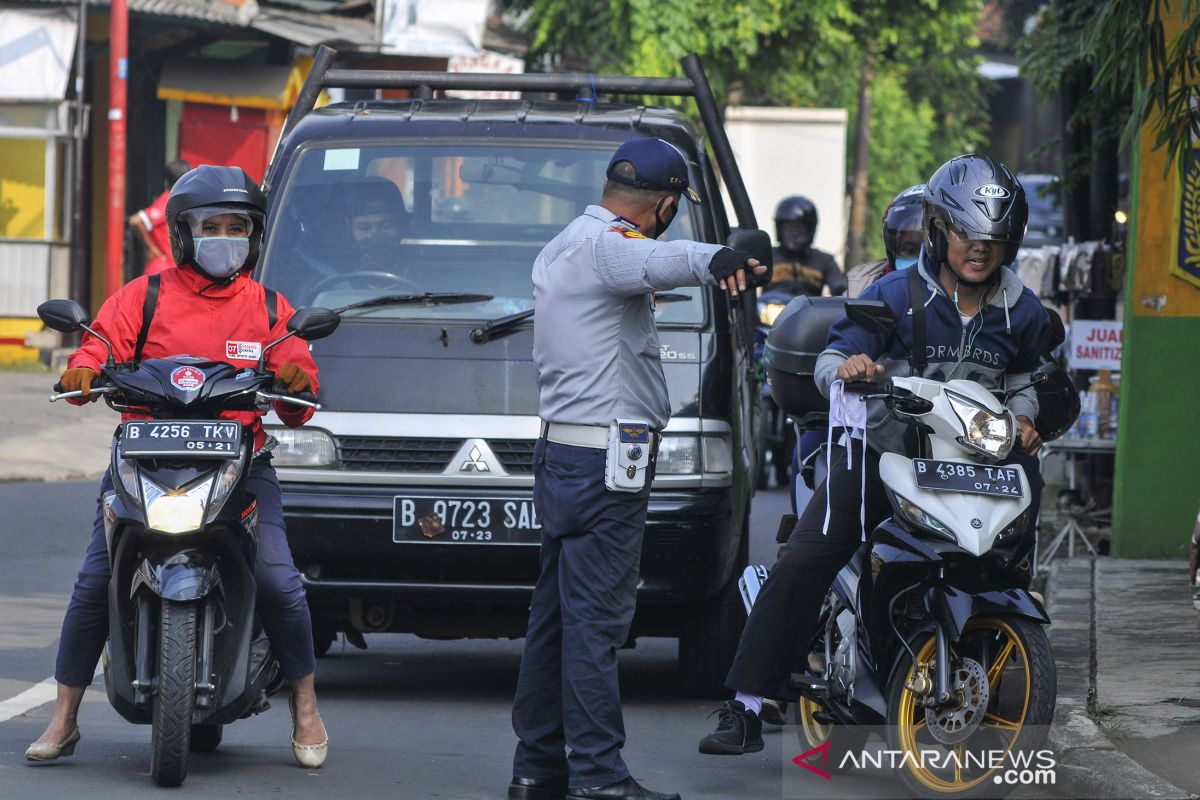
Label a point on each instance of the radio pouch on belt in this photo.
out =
(628, 460)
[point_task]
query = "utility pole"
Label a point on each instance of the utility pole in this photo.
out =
(118, 75)
(862, 149)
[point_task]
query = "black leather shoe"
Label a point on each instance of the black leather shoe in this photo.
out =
(537, 788)
(628, 789)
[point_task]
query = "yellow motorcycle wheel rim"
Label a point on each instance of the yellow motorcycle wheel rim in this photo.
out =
(814, 732)
(909, 727)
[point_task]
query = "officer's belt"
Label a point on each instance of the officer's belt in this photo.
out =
(578, 435)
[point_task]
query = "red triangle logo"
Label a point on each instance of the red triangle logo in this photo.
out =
(802, 760)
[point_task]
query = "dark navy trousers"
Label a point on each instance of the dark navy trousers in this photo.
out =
(280, 600)
(567, 711)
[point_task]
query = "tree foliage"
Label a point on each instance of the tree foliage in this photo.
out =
(1137, 74)
(928, 100)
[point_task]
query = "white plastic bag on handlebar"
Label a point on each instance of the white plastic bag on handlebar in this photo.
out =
(849, 412)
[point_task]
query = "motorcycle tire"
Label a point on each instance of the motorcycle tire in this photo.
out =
(1016, 718)
(206, 738)
(171, 733)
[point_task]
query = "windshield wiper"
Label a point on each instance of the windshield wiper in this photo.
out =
(425, 298)
(488, 329)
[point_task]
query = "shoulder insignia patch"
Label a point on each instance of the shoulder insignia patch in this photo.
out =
(626, 232)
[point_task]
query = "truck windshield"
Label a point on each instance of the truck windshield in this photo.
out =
(353, 223)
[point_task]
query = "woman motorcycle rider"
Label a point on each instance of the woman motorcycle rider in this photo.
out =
(208, 307)
(981, 324)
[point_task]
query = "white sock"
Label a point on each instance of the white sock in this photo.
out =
(751, 702)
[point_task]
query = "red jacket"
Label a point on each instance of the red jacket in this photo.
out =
(196, 317)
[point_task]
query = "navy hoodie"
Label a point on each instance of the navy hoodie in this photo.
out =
(1006, 339)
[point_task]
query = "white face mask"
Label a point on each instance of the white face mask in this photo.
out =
(221, 256)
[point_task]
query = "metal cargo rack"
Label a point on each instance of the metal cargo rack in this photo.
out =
(424, 84)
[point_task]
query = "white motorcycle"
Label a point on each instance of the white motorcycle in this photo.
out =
(931, 630)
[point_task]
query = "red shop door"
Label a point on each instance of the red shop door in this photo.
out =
(211, 134)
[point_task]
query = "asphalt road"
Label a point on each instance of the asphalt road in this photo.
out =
(408, 718)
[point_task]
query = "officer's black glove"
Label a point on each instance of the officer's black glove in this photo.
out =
(726, 262)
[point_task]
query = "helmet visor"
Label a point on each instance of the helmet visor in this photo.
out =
(196, 217)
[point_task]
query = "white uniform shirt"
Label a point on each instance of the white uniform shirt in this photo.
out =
(595, 345)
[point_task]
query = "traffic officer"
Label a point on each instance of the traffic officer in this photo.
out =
(595, 347)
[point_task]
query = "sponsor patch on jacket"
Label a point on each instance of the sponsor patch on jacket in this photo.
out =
(626, 232)
(248, 351)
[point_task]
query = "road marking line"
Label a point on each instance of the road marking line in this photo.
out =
(36, 695)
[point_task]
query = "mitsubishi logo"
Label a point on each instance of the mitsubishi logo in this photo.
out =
(475, 462)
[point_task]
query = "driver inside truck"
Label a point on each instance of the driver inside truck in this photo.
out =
(377, 221)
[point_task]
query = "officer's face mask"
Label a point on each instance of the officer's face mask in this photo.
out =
(664, 215)
(221, 256)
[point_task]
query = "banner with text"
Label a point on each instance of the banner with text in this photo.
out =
(1096, 344)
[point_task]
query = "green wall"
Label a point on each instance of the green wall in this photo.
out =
(1156, 491)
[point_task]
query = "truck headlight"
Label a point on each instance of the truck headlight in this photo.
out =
(678, 455)
(303, 447)
(986, 433)
(718, 454)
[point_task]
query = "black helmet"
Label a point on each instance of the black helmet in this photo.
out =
(903, 214)
(796, 208)
(979, 197)
(224, 187)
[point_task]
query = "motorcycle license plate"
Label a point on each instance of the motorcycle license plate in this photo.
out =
(457, 520)
(956, 476)
(212, 438)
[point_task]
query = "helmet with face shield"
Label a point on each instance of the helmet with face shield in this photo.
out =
(980, 199)
(207, 192)
(902, 230)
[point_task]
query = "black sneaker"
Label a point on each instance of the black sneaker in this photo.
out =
(738, 731)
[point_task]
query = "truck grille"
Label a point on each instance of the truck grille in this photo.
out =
(375, 454)
(516, 455)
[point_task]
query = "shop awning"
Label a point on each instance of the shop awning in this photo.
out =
(37, 48)
(262, 86)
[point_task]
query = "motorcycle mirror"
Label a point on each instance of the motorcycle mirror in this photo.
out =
(64, 316)
(1039, 375)
(873, 316)
(758, 244)
(313, 323)
(67, 316)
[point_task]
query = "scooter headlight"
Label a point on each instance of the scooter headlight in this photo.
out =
(768, 312)
(225, 481)
(1016, 527)
(175, 510)
(991, 434)
(127, 475)
(915, 515)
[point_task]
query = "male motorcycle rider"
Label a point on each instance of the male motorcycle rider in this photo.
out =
(981, 324)
(799, 267)
(208, 306)
(902, 237)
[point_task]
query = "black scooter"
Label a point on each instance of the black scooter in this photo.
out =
(185, 652)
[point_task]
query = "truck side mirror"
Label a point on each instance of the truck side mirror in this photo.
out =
(758, 244)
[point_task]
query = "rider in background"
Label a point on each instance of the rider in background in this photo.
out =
(902, 237)
(799, 267)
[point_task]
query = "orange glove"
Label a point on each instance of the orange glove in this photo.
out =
(77, 379)
(294, 378)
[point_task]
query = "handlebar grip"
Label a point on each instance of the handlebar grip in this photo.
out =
(58, 387)
(862, 387)
(305, 395)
